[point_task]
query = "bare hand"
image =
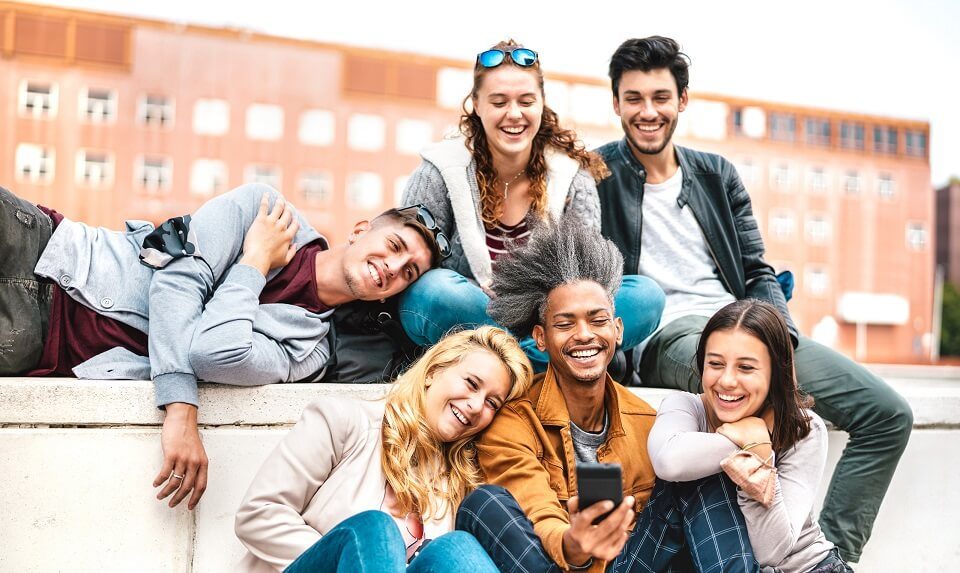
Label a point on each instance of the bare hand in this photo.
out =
(269, 240)
(746, 431)
(603, 541)
(184, 460)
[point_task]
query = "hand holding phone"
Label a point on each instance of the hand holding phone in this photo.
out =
(592, 535)
(598, 482)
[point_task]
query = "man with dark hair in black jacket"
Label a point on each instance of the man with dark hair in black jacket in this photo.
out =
(683, 218)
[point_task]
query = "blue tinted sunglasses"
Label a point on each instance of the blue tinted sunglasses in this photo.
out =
(520, 56)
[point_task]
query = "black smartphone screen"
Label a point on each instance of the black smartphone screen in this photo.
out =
(597, 482)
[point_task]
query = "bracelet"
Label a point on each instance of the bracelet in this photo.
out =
(754, 444)
(583, 567)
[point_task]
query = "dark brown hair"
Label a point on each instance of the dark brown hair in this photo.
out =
(550, 134)
(763, 321)
(407, 218)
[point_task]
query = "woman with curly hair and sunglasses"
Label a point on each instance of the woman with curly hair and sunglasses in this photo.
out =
(375, 485)
(513, 167)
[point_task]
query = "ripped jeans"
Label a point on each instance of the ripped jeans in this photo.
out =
(24, 297)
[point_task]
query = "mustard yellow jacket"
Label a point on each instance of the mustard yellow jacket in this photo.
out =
(529, 450)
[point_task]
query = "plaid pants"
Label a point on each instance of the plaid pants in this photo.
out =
(689, 526)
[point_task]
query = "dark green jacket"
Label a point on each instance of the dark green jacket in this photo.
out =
(720, 204)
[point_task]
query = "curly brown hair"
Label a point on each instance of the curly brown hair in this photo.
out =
(550, 134)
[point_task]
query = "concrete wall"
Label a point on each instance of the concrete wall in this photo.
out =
(79, 457)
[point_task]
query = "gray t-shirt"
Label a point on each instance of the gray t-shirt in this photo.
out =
(585, 443)
(674, 253)
(785, 535)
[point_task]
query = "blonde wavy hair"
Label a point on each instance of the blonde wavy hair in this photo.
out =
(429, 476)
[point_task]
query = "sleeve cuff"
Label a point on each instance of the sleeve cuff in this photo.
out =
(246, 276)
(176, 387)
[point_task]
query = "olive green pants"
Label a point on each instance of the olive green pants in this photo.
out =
(877, 418)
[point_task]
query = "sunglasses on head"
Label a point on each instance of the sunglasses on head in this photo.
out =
(425, 217)
(521, 56)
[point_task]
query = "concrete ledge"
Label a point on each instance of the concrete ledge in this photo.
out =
(80, 455)
(68, 401)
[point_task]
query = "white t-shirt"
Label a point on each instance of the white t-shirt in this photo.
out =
(674, 253)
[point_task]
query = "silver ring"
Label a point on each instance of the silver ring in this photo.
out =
(177, 477)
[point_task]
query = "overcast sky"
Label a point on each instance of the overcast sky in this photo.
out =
(889, 57)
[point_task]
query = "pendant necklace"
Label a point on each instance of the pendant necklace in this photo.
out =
(506, 186)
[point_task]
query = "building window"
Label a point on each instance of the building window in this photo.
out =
(736, 118)
(94, 169)
(364, 190)
(211, 117)
(748, 171)
(916, 143)
(208, 177)
(35, 163)
(366, 132)
(817, 179)
(885, 139)
(783, 126)
(817, 131)
(780, 177)
(317, 127)
(264, 122)
(916, 236)
(851, 182)
(98, 105)
(816, 280)
(316, 186)
(413, 135)
(264, 174)
(886, 187)
(154, 174)
(817, 229)
(38, 99)
(851, 135)
(452, 85)
(782, 225)
(155, 110)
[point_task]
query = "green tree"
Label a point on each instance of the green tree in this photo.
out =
(950, 324)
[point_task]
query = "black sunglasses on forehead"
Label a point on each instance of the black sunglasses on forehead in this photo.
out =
(425, 217)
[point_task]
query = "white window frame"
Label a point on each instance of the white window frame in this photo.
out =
(95, 174)
(818, 179)
(264, 122)
(366, 132)
(917, 236)
(852, 183)
(321, 178)
(39, 162)
(219, 179)
(814, 285)
(218, 109)
(156, 114)
(886, 186)
(31, 103)
(781, 177)
(264, 173)
(158, 180)
(99, 111)
(358, 179)
(817, 229)
(412, 135)
(779, 218)
(317, 127)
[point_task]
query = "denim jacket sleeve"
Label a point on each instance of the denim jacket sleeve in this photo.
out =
(181, 291)
(760, 278)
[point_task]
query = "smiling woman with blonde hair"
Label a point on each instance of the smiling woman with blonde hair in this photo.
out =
(513, 168)
(376, 484)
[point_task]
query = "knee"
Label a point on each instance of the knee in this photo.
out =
(900, 418)
(372, 522)
(457, 542)
(641, 297)
(480, 501)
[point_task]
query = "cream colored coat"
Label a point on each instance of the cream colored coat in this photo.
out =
(324, 471)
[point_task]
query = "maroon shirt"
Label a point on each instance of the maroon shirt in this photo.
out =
(501, 234)
(77, 333)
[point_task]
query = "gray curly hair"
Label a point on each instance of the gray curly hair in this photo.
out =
(556, 254)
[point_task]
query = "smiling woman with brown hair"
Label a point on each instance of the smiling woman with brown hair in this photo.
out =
(369, 483)
(514, 167)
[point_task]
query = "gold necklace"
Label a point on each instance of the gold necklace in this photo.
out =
(506, 186)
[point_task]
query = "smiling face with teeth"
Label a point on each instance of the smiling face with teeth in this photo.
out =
(580, 332)
(509, 103)
(649, 106)
(736, 375)
(382, 260)
(462, 399)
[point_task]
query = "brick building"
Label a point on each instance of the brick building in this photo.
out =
(108, 118)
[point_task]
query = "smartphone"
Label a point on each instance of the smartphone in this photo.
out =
(598, 482)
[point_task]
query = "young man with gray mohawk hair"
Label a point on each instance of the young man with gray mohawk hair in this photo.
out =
(560, 288)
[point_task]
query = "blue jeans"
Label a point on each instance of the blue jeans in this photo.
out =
(443, 300)
(24, 298)
(370, 542)
(688, 526)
